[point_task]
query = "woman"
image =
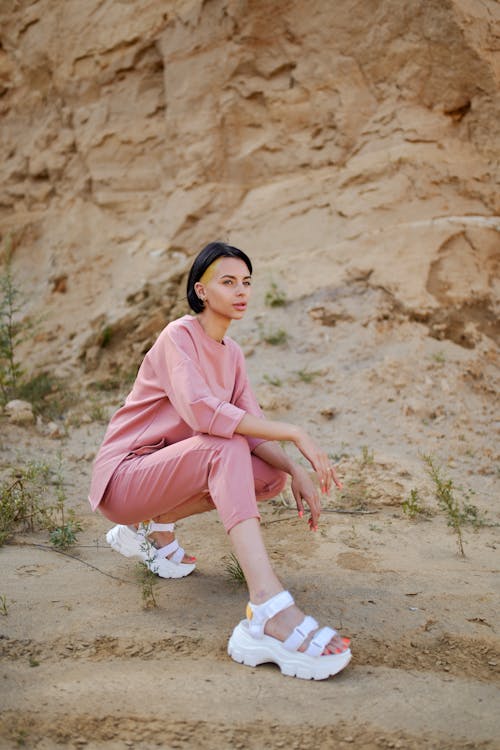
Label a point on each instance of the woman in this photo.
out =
(191, 437)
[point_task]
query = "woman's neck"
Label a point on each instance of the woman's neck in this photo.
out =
(214, 326)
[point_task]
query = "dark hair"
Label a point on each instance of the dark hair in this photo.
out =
(203, 260)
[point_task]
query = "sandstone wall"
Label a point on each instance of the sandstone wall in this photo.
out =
(331, 140)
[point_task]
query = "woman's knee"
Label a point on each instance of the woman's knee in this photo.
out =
(270, 486)
(279, 482)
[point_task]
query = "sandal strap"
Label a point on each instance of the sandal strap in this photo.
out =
(178, 556)
(259, 614)
(300, 633)
(173, 549)
(153, 526)
(319, 641)
(168, 549)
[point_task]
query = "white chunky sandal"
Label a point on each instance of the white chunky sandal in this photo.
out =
(249, 644)
(135, 543)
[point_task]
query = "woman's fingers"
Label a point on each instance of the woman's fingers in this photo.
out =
(313, 501)
(335, 478)
(315, 508)
(313, 526)
(298, 501)
(327, 476)
(320, 463)
(304, 491)
(324, 472)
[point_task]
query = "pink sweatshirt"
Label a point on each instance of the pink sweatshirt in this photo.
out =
(188, 383)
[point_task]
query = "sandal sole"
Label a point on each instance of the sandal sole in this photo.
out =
(247, 650)
(166, 569)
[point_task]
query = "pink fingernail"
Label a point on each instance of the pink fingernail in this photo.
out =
(301, 513)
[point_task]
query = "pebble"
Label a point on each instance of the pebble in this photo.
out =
(54, 430)
(19, 412)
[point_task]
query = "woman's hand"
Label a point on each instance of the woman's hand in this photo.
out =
(270, 430)
(318, 460)
(304, 489)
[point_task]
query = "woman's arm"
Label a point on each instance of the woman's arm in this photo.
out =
(271, 430)
(302, 486)
(273, 454)
(267, 429)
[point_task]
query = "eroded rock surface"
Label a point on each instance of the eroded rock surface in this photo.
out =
(328, 140)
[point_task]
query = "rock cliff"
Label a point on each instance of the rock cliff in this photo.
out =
(337, 143)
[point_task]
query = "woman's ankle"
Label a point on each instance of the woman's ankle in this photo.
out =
(263, 594)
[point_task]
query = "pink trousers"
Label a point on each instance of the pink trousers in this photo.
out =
(222, 471)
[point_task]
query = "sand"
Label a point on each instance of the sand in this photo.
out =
(85, 664)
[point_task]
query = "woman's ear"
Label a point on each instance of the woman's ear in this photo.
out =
(200, 290)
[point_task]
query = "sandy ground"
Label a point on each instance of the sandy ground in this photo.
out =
(85, 665)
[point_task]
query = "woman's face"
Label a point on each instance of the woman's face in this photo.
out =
(226, 288)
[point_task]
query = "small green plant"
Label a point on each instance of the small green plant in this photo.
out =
(26, 503)
(444, 492)
(147, 576)
(233, 569)
(37, 389)
(276, 337)
(471, 514)
(352, 538)
(22, 505)
(105, 337)
(413, 506)
(367, 456)
(12, 332)
(97, 411)
(64, 536)
(307, 376)
(48, 394)
(22, 736)
(111, 383)
(439, 357)
(275, 297)
(148, 582)
(4, 609)
(63, 525)
(277, 382)
(33, 662)
(127, 376)
(339, 455)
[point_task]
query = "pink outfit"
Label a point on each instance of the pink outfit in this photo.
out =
(174, 439)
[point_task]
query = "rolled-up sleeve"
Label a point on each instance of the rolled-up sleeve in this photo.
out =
(190, 394)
